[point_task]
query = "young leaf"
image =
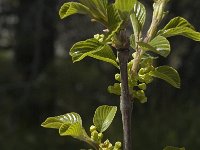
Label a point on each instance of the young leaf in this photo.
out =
(180, 26)
(140, 13)
(105, 54)
(71, 8)
(178, 22)
(103, 117)
(162, 45)
(114, 22)
(75, 130)
(57, 121)
(93, 48)
(138, 18)
(173, 148)
(167, 74)
(98, 9)
(159, 45)
(125, 7)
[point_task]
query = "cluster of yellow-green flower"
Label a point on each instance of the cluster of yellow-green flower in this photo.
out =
(106, 145)
(99, 37)
(137, 83)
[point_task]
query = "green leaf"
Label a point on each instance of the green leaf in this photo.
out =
(75, 130)
(180, 26)
(98, 9)
(140, 13)
(173, 148)
(114, 22)
(132, 41)
(106, 54)
(93, 48)
(178, 22)
(57, 121)
(104, 116)
(125, 7)
(167, 74)
(159, 45)
(162, 45)
(71, 8)
(138, 18)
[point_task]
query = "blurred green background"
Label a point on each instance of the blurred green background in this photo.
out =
(38, 79)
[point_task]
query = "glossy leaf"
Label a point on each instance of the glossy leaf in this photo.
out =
(173, 148)
(104, 116)
(159, 45)
(57, 121)
(178, 22)
(98, 9)
(71, 8)
(138, 17)
(75, 130)
(167, 74)
(125, 7)
(162, 45)
(93, 48)
(114, 21)
(106, 54)
(140, 13)
(180, 26)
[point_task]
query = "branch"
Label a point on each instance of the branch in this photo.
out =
(158, 14)
(125, 101)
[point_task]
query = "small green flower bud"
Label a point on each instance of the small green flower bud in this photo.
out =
(148, 79)
(118, 145)
(96, 36)
(130, 64)
(100, 136)
(94, 136)
(134, 54)
(143, 100)
(142, 86)
(118, 77)
(92, 128)
(107, 143)
(140, 93)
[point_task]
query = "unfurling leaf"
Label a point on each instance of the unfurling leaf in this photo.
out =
(159, 45)
(114, 22)
(167, 74)
(57, 121)
(98, 9)
(138, 17)
(173, 148)
(93, 48)
(75, 130)
(125, 7)
(180, 26)
(71, 8)
(103, 117)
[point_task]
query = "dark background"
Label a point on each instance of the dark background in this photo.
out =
(38, 79)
